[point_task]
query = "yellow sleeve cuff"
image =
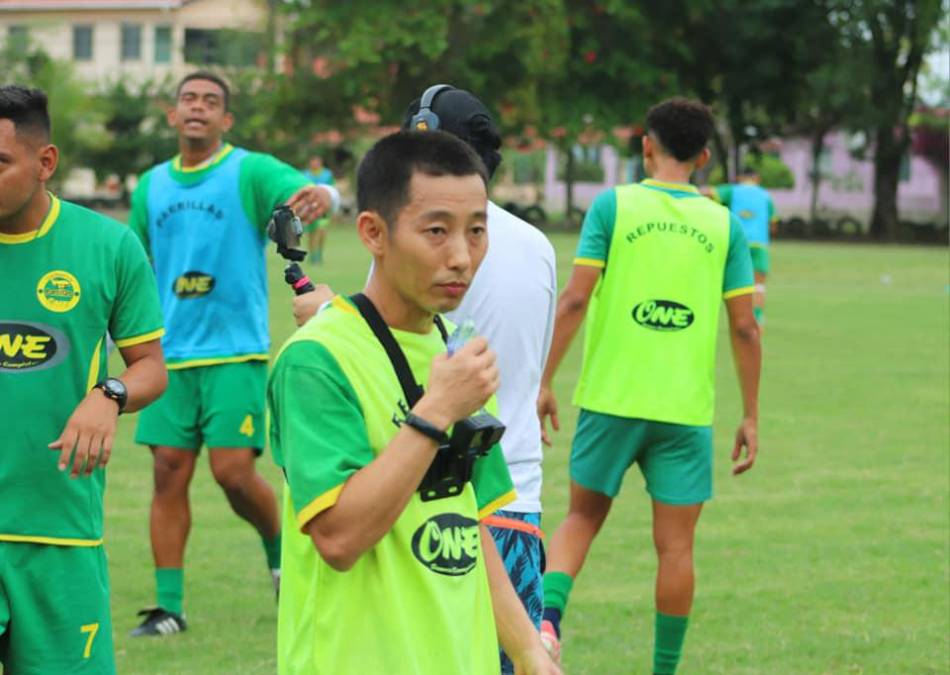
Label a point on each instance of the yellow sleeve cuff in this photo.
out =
(736, 292)
(590, 262)
(493, 506)
(140, 339)
(318, 506)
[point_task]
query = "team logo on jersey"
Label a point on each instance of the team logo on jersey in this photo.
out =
(30, 346)
(663, 315)
(193, 285)
(58, 291)
(447, 544)
(746, 214)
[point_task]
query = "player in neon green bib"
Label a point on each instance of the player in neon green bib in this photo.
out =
(654, 263)
(70, 276)
(378, 576)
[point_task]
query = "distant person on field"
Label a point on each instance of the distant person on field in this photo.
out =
(318, 174)
(202, 217)
(69, 276)
(752, 205)
(659, 260)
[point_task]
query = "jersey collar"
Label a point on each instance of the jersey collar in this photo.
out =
(216, 158)
(680, 187)
(51, 215)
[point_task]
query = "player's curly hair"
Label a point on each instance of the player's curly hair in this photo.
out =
(27, 108)
(683, 126)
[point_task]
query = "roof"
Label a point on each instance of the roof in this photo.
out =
(75, 5)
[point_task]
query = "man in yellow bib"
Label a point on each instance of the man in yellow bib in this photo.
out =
(654, 262)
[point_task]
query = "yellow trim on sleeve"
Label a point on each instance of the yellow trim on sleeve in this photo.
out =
(736, 292)
(44, 228)
(590, 262)
(318, 506)
(93, 377)
(491, 507)
(139, 339)
(217, 361)
(51, 541)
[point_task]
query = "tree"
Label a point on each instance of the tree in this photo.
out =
(75, 116)
(607, 79)
(381, 56)
(137, 134)
(897, 35)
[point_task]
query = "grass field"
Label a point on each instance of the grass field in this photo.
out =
(830, 557)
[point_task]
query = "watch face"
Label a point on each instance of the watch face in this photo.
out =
(116, 386)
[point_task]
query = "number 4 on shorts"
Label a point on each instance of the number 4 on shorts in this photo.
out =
(247, 426)
(91, 629)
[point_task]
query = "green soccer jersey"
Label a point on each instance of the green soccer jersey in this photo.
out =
(81, 274)
(418, 602)
(669, 256)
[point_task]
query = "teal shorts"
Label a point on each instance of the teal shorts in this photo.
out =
(675, 459)
(54, 610)
(760, 259)
(221, 406)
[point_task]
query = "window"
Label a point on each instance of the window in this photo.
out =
(18, 38)
(82, 43)
(222, 47)
(131, 42)
(163, 44)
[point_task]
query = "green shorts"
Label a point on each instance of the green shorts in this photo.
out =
(221, 406)
(54, 610)
(675, 459)
(760, 259)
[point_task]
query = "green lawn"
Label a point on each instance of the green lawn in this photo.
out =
(830, 557)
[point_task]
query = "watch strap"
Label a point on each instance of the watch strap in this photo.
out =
(426, 428)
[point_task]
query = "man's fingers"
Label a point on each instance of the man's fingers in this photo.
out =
(737, 448)
(106, 450)
(65, 444)
(81, 456)
(555, 422)
(545, 438)
(95, 451)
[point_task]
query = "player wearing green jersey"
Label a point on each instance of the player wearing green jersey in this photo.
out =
(202, 217)
(380, 574)
(70, 275)
(654, 263)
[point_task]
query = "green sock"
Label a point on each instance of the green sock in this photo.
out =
(557, 588)
(170, 582)
(670, 632)
(759, 314)
(272, 549)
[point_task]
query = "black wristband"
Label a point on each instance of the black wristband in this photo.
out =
(426, 428)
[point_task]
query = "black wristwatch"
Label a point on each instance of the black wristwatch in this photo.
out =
(426, 428)
(114, 389)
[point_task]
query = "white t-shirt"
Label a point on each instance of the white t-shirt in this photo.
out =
(511, 301)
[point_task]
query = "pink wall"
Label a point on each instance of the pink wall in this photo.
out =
(847, 189)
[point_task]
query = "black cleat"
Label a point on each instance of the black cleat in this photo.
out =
(158, 621)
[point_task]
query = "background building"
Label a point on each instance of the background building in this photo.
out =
(108, 40)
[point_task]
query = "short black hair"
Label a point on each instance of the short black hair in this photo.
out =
(462, 114)
(27, 108)
(683, 126)
(382, 181)
(210, 77)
